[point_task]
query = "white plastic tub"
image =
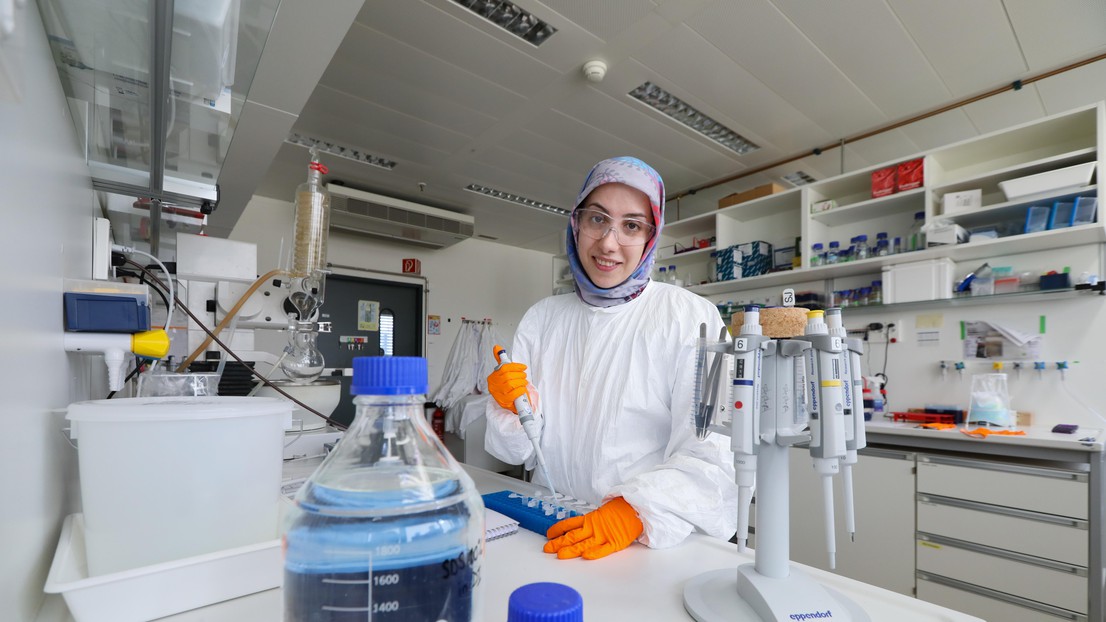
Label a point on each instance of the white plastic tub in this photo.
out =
(1069, 178)
(159, 590)
(164, 478)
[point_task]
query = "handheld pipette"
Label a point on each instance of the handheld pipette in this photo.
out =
(827, 425)
(526, 418)
(745, 436)
(853, 394)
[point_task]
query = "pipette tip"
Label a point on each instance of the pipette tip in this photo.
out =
(741, 545)
(833, 561)
(852, 536)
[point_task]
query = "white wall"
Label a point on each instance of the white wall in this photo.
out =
(473, 279)
(47, 209)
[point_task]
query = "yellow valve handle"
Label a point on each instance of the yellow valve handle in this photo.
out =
(151, 344)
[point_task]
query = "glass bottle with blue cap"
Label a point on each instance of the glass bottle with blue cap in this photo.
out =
(389, 527)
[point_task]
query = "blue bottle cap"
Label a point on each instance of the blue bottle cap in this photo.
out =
(389, 375)
(545, 602)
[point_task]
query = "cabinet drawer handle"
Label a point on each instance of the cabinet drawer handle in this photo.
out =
(1001, 596)
(1003, 467)
(982, 549)
(1004, 511)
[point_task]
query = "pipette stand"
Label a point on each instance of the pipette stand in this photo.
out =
(772, 587)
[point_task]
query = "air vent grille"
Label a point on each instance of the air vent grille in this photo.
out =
(353, 214)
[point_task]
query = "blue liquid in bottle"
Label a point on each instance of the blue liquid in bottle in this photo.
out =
(389, 528)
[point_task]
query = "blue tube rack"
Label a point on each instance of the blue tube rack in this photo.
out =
(535, 518)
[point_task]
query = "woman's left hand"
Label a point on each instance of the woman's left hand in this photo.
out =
(611, 528)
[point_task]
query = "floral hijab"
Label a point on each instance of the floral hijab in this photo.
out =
(636, 174)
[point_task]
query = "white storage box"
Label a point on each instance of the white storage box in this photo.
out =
(918, 280)
(159, 590)
(947, 234)
(164, 478)
(966, 201)
(1070, 178)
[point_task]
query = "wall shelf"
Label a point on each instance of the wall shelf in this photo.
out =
(1047, 144)
(909, 201)
(1048, 295)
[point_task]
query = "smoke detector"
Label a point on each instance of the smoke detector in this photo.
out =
(594, 70)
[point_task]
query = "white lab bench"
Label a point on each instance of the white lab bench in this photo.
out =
(637, 583)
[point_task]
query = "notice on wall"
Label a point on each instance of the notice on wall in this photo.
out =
(433, 325)
(990, 340)
(368, 315)
(927, 329)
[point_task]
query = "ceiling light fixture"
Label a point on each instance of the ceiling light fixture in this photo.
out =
(514, 198)
(673, 106)
(798, 178)
(511, 18)
(342, 151)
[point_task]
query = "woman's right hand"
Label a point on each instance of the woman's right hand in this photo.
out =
(507, 383)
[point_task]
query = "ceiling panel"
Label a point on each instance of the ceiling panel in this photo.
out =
(769, 46)
(604, 19)
(555, 185)
(1078, 87)
(426, 75)
(868, 43)
(709, 80)
(649, 129)
(938, 130)
(1053, 33)
(430, 106)
(970, 44)
(1006, 109)
(444, 36)
(878, 149)
(329, 106)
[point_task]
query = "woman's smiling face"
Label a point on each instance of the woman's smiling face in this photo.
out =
(606, 261)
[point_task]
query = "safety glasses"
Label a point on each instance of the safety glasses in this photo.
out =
(596, 224)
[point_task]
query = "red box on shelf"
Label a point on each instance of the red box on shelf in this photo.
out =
(911, 174)
(883, 181)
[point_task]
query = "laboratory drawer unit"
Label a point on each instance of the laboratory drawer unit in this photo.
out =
(1044, 581)
(1046, 536)
(988, 604)
(1014, 532)
(1038, 489)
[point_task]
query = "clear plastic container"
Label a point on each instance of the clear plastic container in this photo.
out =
(389, 527)
(142, 459)
(896, 246)
(1062, 214)
(1086, 209)
(1036, 218)
(916, 239)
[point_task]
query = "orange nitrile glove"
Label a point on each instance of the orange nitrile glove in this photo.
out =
(611, 528)
(507, 383)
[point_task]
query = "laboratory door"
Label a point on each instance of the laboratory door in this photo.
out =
(368, 317)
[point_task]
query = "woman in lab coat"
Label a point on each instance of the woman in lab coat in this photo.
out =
(610, 370)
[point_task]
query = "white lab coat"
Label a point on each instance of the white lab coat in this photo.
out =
(615, 387)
